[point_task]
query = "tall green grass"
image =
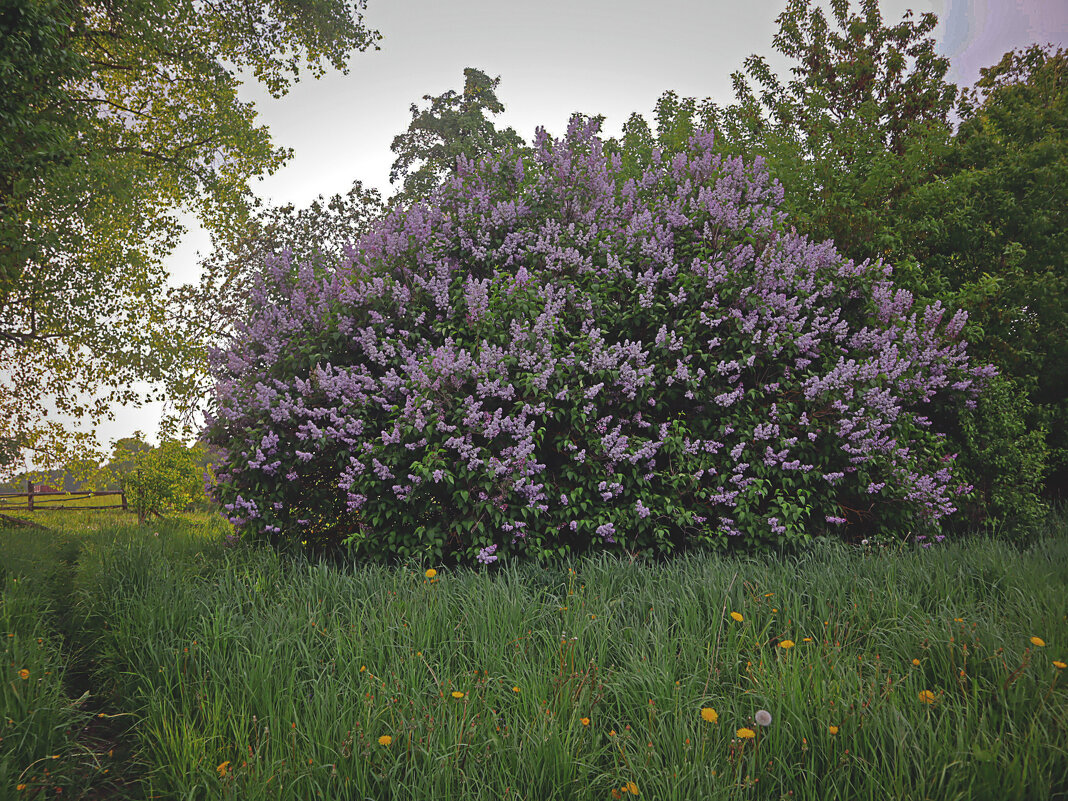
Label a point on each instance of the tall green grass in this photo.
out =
(251, 677)
(37, 717)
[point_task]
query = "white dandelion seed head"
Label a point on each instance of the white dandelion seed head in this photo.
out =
(763, 717)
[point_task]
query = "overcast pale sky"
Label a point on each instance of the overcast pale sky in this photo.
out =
(555, 57)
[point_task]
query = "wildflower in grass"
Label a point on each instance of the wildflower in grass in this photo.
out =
(385, 739)
(806, 639)
(763, 717)
(745, 734)
(916, 662)
(1059, 665)
(24, 674)
(786, 644)
(584, 721)
(832, 729)
(616, 794)
(20, 787)
(737, 616)
(515, 689)
(1038, 641)
(709, 714)
(631, 787)
(927, 697)
(457, 694)
(223, 768)
(431, 573)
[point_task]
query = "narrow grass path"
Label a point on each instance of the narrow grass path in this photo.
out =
(63, 729)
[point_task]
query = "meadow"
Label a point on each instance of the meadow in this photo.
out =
(163, 662)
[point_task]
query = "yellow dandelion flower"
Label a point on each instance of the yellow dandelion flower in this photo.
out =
(1059, 665)
(786, 644)
(774, 610)
(515, 689)
(916, 662)
(927, 697)
(1038, 641)
(709, 714)
(584, 721)
(832, 729)
(431, 573)
(457, 694)
(363, 668)
(632, 788)
(806, 639)
(958, 620)
(20, 787)
(745, 734)
(222, 768)
(24, 674)
(385, 739)
(737, 616)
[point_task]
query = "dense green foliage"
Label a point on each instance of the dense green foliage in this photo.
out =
(165, 479)
(453, 125)
(990, 229)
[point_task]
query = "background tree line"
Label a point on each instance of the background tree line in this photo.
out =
(963, 192)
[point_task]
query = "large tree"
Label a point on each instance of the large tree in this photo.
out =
(115, 115)
(453, 125)
(993, 229)
(855, 127)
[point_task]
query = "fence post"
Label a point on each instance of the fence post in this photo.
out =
(29, 495)
(124, 501)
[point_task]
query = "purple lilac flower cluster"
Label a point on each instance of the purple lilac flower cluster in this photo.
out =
(545, 354)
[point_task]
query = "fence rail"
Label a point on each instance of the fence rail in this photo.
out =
(58, 500)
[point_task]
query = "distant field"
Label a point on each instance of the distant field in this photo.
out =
(60, 500)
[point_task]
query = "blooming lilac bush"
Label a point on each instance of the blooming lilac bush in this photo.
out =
(544, 359)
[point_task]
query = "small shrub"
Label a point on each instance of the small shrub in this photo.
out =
(545, 359)
(164, 480)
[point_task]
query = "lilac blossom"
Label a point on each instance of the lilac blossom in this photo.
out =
(462, 339)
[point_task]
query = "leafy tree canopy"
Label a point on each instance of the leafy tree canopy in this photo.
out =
(867, 108)
(993, 227)
(454, 125)
(115, 116)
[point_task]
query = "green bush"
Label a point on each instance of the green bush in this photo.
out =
(1003, 458)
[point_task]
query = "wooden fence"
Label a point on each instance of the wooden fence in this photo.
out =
(58, 500)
